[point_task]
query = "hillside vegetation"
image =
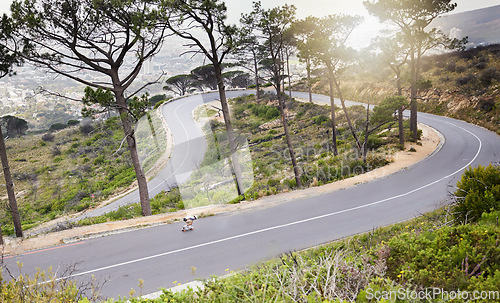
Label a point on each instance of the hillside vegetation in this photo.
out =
(76, 168)
(462, 85)
(465, 86)
(311, 128)
(57, 173)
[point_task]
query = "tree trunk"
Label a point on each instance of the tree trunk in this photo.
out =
(333, 118)
(400, 111)
(401, 129)
(1, 236)
(291, 151)
(413, 97)
(129, 132)
(289, 79)
(413, 114)
(256, 69)
(276, 53)
(351, 127)
(16, 218)
(309, 89)
(233, 149)
(414, 108)
(398, 83)
(277, 74)
(367, 126)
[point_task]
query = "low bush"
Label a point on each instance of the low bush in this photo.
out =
(44, 286)
(57, 126)
(320, 119)
(477, 192)
(73, 122)
(48, 137)
(86, 128)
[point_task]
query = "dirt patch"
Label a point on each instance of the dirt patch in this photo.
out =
(431, 142)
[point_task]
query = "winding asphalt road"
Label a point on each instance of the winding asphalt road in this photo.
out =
(161, 255)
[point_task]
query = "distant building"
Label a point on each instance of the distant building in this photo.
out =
(147, 67)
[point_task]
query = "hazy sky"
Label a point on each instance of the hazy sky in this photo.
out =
(315, 7)
(359, 38)
(326, 7)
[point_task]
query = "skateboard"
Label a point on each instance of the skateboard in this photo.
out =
(185, 227)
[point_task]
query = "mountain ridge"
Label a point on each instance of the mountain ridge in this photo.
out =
(482, 26)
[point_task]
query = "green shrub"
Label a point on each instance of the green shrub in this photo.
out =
(167, 201)
(477, 192)
(273, 183)
(48, 138)
(99, 160)
(489, 75)
(86, 128)
(290, 183)
(237, 200)
(73, 122)
(57, 126)
(376, 161)
(97, 136)
(264, 111)
(374, 142)
(320, 119)
(448, 258)
(44, 286)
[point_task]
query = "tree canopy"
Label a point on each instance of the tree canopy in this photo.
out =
(8, 58)
(384, 112)
(412, 17)
(180, 84)
(91, 42)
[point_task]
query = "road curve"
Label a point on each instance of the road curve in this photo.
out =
(161, 255)
(188, 151)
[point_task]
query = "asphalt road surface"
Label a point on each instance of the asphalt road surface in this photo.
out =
(163, 254)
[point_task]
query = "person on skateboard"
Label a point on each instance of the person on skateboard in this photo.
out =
(189, 223)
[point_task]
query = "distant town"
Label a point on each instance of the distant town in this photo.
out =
(32, 93)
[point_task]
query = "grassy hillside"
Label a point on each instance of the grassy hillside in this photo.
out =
(57, 173)
(465, 85)
(310, 129)
(76, 168)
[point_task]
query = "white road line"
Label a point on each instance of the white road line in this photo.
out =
(287, 224)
